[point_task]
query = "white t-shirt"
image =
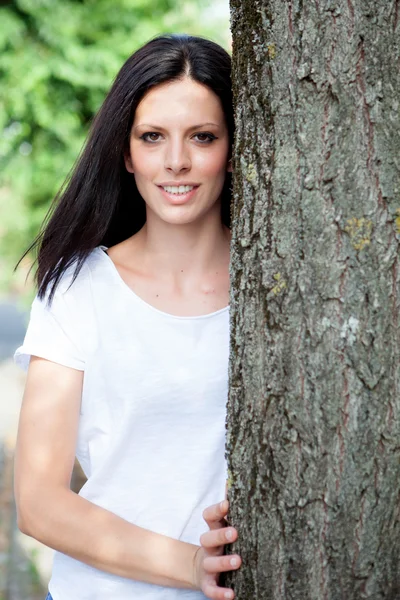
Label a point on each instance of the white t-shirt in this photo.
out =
(152, 426)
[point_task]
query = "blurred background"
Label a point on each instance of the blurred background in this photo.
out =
(58, 59)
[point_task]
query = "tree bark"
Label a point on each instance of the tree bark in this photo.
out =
(313, 440)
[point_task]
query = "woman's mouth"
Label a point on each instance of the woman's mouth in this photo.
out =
(178, 194)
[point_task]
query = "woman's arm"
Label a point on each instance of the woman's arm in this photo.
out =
(50, 512)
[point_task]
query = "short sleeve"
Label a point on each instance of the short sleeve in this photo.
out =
(53, 333)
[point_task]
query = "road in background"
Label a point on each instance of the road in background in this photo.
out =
(13, 323)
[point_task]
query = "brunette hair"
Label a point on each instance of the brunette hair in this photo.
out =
(99, 203)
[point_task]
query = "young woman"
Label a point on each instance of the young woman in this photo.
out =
(128, 342)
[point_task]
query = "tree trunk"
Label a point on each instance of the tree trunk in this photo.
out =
(314, 408)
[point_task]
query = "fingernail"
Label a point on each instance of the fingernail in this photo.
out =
(229, 534)
(234, 562)
(228, 595)
(222, 505)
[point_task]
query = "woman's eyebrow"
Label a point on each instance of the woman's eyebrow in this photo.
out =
(158, 127)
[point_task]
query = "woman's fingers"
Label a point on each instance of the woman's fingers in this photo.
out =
(213, 542)
(221, 564)
(215, 515)
(218, 593)
(218, 537)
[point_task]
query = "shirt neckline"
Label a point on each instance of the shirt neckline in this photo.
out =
(150, 306)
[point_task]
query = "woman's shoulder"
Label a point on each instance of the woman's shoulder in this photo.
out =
(78, 277)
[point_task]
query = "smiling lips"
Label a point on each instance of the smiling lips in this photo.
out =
(178, 187)
(178, 194)
(174, 189)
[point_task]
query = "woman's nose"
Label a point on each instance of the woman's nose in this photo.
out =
(177, 157)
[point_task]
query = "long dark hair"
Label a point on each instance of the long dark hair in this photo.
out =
(99, 203)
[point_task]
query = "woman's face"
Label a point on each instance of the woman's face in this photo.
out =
(179, 138)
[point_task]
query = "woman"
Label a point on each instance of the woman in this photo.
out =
(128, 341)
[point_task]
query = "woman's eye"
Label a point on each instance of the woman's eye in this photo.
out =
(209, 137)
(152, 136)
(149, 136)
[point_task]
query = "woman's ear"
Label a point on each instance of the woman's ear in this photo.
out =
(128, 161)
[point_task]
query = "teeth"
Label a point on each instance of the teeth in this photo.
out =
(182, 189)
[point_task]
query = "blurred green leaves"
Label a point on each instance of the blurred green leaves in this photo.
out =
(58, 59)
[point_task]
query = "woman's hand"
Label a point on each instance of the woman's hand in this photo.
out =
(209, 560)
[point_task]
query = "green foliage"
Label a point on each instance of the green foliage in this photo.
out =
(58, 59)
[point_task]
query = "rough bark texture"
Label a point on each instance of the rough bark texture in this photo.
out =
(314, 406)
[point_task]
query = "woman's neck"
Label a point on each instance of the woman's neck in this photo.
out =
(180, 255)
